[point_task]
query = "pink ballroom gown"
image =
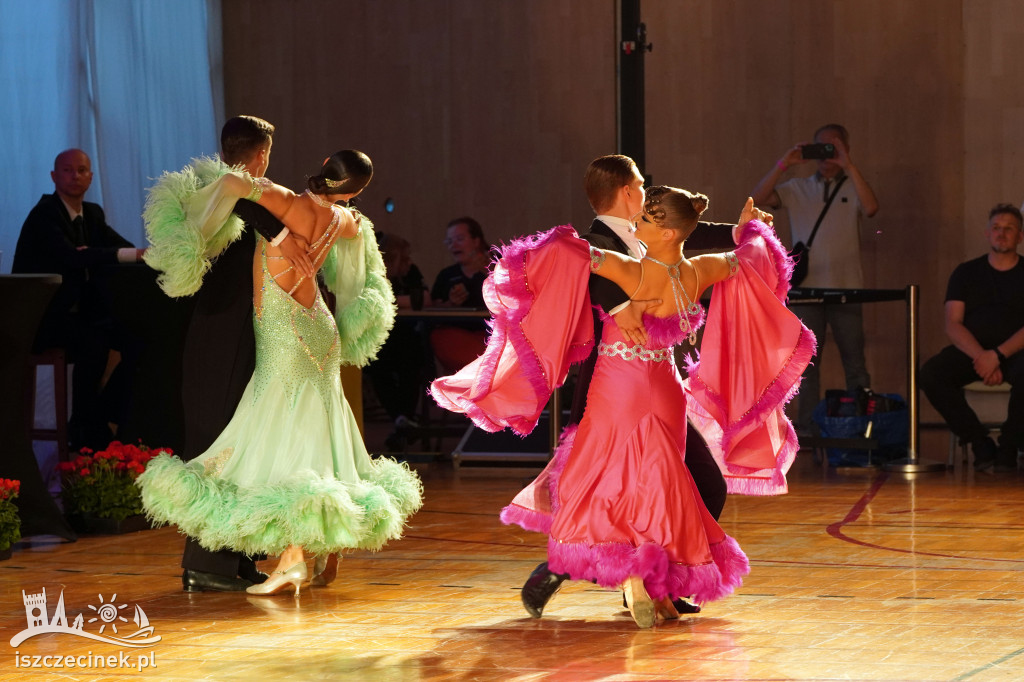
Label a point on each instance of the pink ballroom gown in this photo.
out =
(617, 499)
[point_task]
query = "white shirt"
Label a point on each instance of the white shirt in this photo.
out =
(626, 231)
(835, 253)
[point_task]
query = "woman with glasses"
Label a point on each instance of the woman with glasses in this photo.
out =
(461, 285)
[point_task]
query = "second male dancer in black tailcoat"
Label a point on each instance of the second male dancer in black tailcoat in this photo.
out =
(220, 347)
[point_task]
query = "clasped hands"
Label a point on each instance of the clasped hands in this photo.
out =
(988, 367)
(630, 320)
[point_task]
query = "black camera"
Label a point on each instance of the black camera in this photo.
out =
(818, 150)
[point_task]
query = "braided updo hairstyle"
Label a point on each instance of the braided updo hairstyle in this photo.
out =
(674, 208)
(346, 172)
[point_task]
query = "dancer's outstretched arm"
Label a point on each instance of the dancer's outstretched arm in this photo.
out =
(297, 212)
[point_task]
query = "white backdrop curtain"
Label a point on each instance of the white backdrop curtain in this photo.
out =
(135, 83)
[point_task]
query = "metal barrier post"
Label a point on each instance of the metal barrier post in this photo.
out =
(555, 417)
(912, 465)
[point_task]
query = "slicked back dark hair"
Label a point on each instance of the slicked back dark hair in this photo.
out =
(242, 136)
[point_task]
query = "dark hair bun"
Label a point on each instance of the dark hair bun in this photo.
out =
(317, 184)
(699, 202)
(345, 172)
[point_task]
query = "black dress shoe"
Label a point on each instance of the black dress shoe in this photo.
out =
(539, 588)
(200, 581)
(683, 606)
(984, 453)
(247, 571)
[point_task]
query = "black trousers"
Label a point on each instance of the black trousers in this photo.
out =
(88, 340)
(399, 373)
(943, 377)
(217, 363)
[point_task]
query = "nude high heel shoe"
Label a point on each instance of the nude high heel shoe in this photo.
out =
(640, 605)
(325, 569)
(295, 575)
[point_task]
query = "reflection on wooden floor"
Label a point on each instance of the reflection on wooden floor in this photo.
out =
(855, 576)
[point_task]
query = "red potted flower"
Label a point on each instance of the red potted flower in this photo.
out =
(10, 522)
(99, 491)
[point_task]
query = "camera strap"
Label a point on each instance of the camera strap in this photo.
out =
(821, 216)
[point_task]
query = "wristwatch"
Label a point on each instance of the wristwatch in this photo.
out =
(999, 354)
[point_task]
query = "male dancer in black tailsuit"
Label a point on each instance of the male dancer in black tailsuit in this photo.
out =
(615, 190)
(220, 347)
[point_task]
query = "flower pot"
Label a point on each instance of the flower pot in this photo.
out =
(88, 524)
(5, 554)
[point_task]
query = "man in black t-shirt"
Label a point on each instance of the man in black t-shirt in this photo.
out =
(985, 322)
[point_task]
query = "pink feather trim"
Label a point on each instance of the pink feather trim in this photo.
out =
(784, 264)
(609, 564)
(527, 519)
(778, 393)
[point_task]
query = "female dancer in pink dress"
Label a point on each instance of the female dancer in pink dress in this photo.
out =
(617, 500)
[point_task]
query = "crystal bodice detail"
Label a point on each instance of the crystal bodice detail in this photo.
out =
(294, 344)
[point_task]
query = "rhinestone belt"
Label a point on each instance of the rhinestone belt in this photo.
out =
(637, 352)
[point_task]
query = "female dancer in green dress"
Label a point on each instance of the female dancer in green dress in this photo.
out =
(290, 471)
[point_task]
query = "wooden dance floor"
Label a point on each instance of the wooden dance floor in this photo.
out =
(855, 576)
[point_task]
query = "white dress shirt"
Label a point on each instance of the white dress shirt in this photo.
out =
(626, 231)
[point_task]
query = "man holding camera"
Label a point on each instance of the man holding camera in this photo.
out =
(824, 212)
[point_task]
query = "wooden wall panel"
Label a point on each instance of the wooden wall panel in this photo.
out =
(491, 109)
(732, 85)
(994, 113)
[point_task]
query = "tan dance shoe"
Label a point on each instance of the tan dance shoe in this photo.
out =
(296, 575)
(641, 607)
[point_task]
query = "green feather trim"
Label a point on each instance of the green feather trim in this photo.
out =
(176, 246)
(321, 515)
(364, 324)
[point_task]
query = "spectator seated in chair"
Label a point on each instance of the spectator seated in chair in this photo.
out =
(67, 235)
(985, 322)
(460, 285)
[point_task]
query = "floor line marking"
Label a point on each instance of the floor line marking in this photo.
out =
(836, 529)
(988, 666)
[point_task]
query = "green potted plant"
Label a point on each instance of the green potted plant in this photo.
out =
(10, 522)
(99, 491)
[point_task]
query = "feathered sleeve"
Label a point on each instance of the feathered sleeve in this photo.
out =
(365, 309)
(541, 322)
(752, 355)
(189, 222)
